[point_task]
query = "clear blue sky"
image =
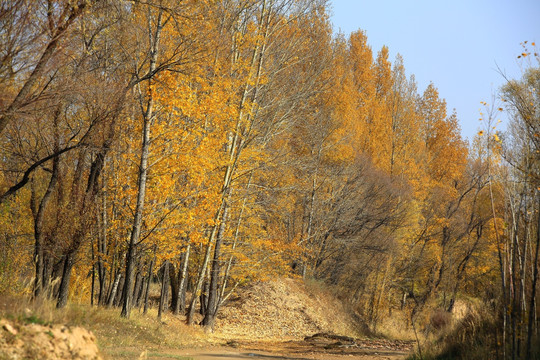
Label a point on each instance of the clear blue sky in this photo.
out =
(456, 44)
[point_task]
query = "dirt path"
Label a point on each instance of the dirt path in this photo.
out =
(291, 350)
(216, 354)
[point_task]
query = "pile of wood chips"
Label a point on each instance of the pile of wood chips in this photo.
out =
(282, 309)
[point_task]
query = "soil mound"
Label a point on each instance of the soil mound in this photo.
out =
(48, 342)
(284, 309)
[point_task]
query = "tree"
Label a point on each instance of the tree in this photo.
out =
(21, 35)
(157, 55)
(520, 149)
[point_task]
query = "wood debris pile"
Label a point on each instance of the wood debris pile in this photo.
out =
(282, 309)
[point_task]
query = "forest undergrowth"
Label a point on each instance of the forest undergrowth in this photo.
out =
(280, 310)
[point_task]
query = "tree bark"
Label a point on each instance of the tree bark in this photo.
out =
(114, 289)
(202, 273)
(164, 298)
(147, 291)
(138, 280)
(182, 277)
(102, 249)
(63, 291)
(148, 116)
(212, 308)
(39, 214)
(120, 292)
(139, 293)
(93, 287)
(204, 295)
(173, 281)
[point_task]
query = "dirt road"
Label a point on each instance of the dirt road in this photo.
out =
(216, 354)
(290, 350)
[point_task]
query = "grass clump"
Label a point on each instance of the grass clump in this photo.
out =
(33, 319)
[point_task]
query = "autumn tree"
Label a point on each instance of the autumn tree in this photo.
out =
(520, 259)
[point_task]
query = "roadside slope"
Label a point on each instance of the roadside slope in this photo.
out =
(285, 309)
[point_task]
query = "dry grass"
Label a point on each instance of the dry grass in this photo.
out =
(114, 334)
(468, 333)
(396, 326)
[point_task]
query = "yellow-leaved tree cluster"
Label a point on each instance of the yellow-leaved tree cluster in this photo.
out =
(209, 144)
